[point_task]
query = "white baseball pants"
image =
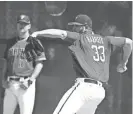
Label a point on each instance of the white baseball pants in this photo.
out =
(82, 98)
(15, 95)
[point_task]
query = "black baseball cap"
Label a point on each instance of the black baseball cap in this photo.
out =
(82, 19)
(23, 19)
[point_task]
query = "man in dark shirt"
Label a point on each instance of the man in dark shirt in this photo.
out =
(91, 56)
(21, 69)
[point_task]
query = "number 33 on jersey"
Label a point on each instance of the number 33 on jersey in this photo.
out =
(99, 53)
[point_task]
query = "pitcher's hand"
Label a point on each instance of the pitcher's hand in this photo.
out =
(121, 68)
(34, 34)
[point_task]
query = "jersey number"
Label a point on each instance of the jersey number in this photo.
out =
(21, 63)
(99, 53)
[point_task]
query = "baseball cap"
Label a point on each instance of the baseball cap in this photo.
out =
(82, 19)
(23, 19)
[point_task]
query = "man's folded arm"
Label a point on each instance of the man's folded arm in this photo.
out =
(123, 42)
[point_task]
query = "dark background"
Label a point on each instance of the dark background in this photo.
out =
(109, 18)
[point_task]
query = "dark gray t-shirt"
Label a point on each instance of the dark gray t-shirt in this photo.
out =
(17, 63)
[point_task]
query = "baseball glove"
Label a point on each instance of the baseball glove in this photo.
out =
(33, 49)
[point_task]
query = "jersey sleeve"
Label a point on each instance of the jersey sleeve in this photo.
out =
(116, 41)
(40, 51)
